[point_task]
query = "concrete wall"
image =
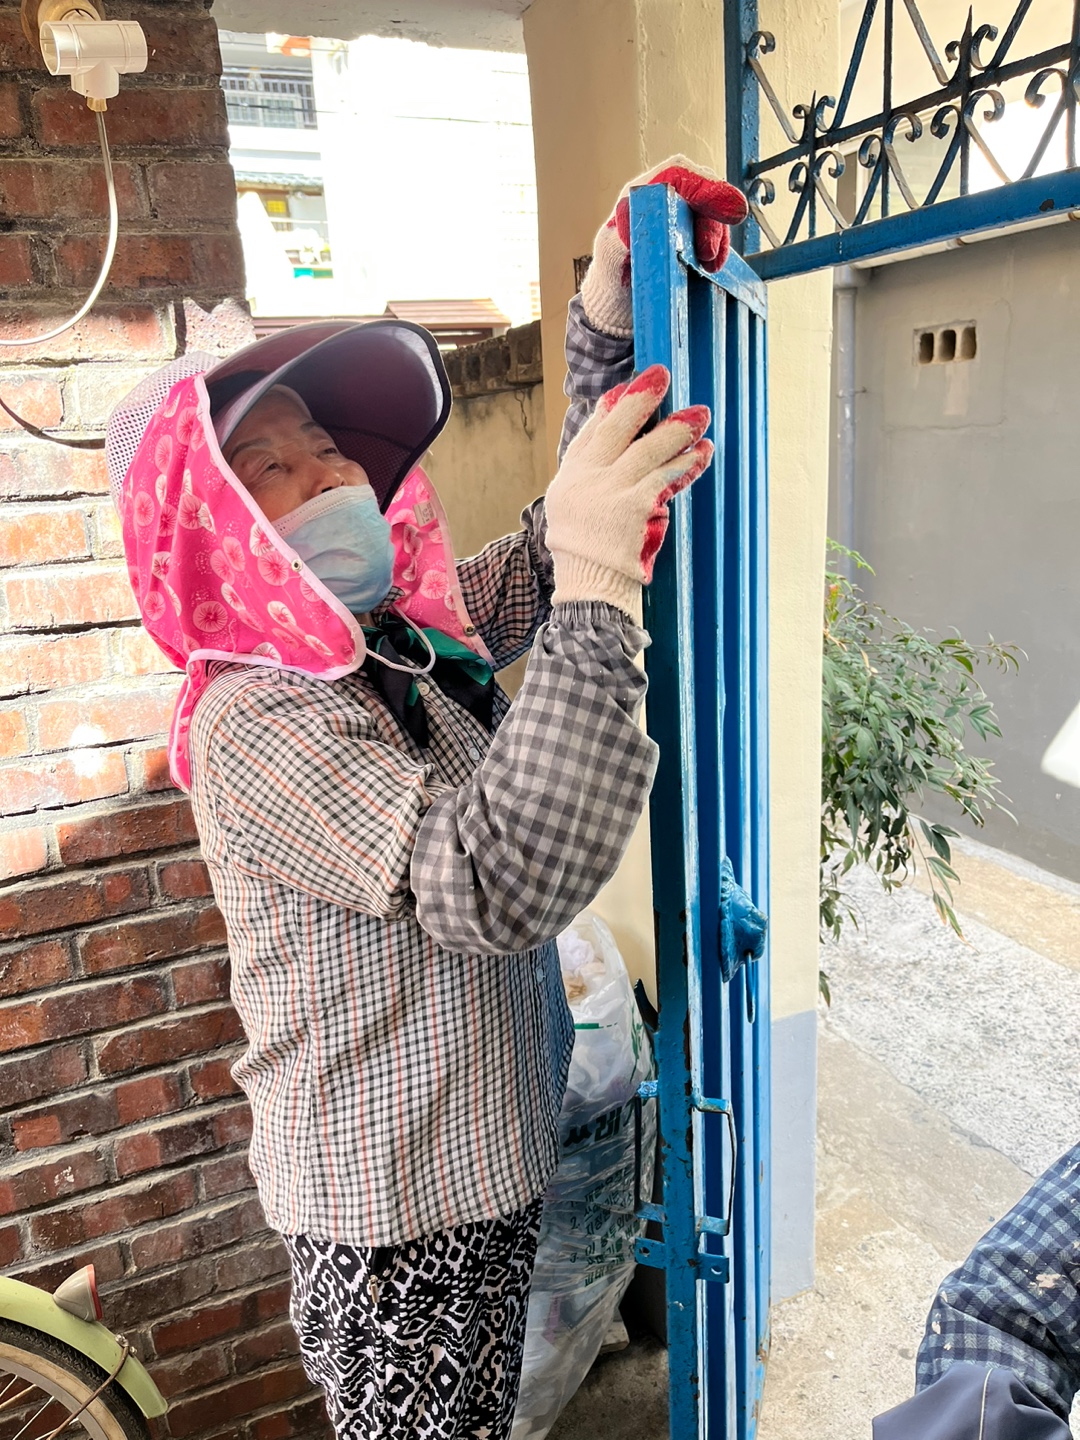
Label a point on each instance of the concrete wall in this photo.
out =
(489, 463)
(967, 501)
(491, 460)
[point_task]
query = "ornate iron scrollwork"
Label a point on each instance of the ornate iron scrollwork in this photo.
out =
(960, 114)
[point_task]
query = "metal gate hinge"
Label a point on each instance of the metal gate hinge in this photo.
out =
(655, 1253)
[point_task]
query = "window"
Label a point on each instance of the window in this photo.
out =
(281, 98)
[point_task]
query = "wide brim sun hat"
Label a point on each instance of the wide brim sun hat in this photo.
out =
(379, 389)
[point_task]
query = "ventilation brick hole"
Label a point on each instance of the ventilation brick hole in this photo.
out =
(942, 347)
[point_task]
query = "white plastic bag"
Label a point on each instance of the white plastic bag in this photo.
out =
(585, 1258)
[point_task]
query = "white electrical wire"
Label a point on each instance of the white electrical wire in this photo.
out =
(110, 250)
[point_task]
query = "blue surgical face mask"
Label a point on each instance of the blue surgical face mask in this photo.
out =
(345, 539)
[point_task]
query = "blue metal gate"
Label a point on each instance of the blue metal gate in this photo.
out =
(706, 609)
(707, 708)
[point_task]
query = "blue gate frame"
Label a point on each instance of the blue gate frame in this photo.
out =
(707, 709)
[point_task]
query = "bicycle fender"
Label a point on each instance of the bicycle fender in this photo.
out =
(37, 1310)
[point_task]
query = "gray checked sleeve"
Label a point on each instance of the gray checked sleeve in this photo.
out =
(504, 862)
(594, 363)
(507, 587)
(1015, 1301)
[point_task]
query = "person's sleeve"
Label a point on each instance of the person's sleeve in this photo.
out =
(310, 797)
(506, 861)
(595, 362)
(507, 587)
(972, 1400)
(1015, 1301)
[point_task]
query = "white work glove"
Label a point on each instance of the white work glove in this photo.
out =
(605, 291)
(607, 507)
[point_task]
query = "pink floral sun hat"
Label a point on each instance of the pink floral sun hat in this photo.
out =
(212, 577)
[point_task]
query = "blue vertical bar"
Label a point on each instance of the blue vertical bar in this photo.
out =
(707, 314)
(751, 1051)
(661, 336)
(759, 769)
(737, 775)
(743, 99)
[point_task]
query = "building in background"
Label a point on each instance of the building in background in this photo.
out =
(381, 170)
(965, 496)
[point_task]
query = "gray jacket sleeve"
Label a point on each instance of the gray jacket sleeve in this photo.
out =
(504, 862)
(1015, 1301)
(972, 1402)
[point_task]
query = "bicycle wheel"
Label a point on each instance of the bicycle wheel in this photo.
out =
(43, 1382)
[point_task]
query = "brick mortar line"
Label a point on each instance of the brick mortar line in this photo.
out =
(152, 1072)
(110, 807)
(92, 984)
(109, 1288)
(97, 228)
(150, 968)
(132, 1185)
(38, 81)
(173, 1011)
(27, 149)
(59, 1155)
(234, 1049)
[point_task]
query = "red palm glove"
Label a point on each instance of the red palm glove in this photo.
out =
(607, 508)
(605, 291)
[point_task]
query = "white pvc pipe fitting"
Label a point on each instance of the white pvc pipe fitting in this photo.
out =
(95, 53)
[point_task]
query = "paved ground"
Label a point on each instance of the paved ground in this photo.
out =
(949, 1077)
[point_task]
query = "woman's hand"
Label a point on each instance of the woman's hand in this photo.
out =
(605, 291)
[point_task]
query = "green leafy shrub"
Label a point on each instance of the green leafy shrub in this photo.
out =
(897, 706)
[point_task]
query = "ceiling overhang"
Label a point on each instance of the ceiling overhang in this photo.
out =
(461, 24)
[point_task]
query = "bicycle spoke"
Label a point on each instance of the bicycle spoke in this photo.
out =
(50, 1400)
(7, 1404)
(8, 1386)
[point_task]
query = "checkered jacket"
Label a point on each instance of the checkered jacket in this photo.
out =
(391, 911)
(1015, 1301)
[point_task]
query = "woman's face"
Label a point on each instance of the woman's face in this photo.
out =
(284, 458)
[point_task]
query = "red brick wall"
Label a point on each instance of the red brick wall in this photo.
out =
(122, 1138)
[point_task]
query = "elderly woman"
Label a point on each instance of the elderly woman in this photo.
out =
(393, 845)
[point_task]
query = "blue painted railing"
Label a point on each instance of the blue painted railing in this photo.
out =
(707, 709)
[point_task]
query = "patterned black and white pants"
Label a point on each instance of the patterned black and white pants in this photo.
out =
(419, 1341)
